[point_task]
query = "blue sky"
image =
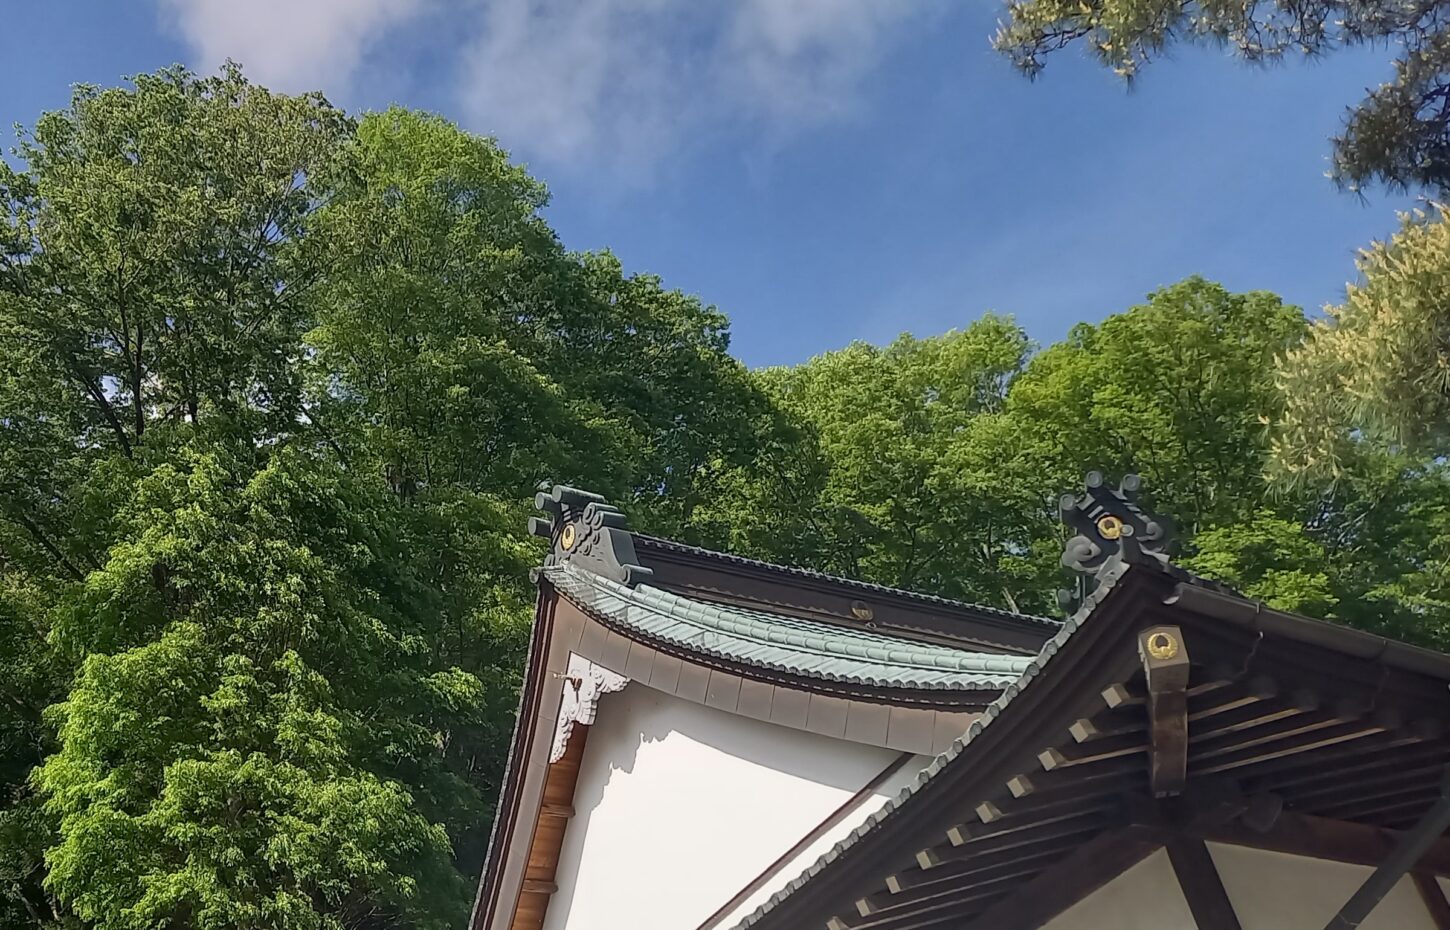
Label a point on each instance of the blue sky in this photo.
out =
(821, 170)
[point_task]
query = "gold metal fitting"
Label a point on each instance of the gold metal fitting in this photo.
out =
(1110, 527)
(1162, 645)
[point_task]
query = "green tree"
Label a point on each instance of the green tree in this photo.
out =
(937, 464)
(149, 275)
(464, 347)
(253, 738)
(1173, 389)
(277, 387)
(863, 477)
(1378, 366)
(1400, 134)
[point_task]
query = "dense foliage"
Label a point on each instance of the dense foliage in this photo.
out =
(937, 464)
(277, 388)
(1379, 364)
(1399, 134)
(278, 384)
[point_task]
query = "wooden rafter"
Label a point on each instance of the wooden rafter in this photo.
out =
(1090, 867)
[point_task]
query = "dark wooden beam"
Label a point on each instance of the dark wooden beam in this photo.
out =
(1251, 718)
(1222, 698)
(950, 912)
(1091, 866)
(1393, 777)
(1067, 830)
(1369, 759)
(1084, 778)
(1130, 693)
(1202, 888)
(1434, 897)
(981, 885)
(1410, 846)
(1027, 858)
(1374, 800)
(974, 831)
(1297, 743)
(1322, 838)
(1339, 759)
(1006, 806)
(1235, 697)
(1277, 731)
(1165, 668)
(1111, 747)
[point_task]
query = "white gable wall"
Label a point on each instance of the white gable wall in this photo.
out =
(1268, 890)
(907, 772)
(1146, 897)
(1276, 891)
(679, 806)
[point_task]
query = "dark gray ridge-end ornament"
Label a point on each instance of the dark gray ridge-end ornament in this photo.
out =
(586, 530)
(1111, 530)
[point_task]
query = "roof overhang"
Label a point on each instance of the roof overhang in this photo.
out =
(1290, 733)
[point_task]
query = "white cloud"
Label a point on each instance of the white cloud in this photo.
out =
(584, 83)
(291, 45)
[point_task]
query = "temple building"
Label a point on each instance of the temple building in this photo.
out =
(708, 742)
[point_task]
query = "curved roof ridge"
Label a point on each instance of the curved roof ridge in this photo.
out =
(658, 542)
(807, 647)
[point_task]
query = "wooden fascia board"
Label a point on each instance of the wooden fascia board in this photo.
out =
(522, 791)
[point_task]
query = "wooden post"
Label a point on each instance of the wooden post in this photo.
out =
(1201, 885)
(1166, 664)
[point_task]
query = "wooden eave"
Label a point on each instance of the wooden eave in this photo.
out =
(555, 812)
(511, 809)
(1300, 737)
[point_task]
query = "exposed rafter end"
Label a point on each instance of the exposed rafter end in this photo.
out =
(1166, 667)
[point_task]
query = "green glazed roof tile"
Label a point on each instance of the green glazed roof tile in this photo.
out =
(808, 648)
(1033, 668)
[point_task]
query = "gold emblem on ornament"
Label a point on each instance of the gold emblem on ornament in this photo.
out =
(566, 538)
(1110, 527)
(1162, 646)
(862, 610)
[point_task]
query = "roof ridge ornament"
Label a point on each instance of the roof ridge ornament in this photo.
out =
(588, 531)
(1112, 530)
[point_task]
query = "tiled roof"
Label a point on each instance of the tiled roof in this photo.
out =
(808, 648)
(1031, 670)
(838, 581)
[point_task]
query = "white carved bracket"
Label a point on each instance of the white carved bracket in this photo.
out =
(584, 684)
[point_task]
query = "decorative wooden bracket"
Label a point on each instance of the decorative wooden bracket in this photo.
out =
(1165, 664)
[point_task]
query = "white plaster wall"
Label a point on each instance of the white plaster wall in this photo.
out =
(1276, 891)
(848, 821)
(1146, 897)
(679, 806)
